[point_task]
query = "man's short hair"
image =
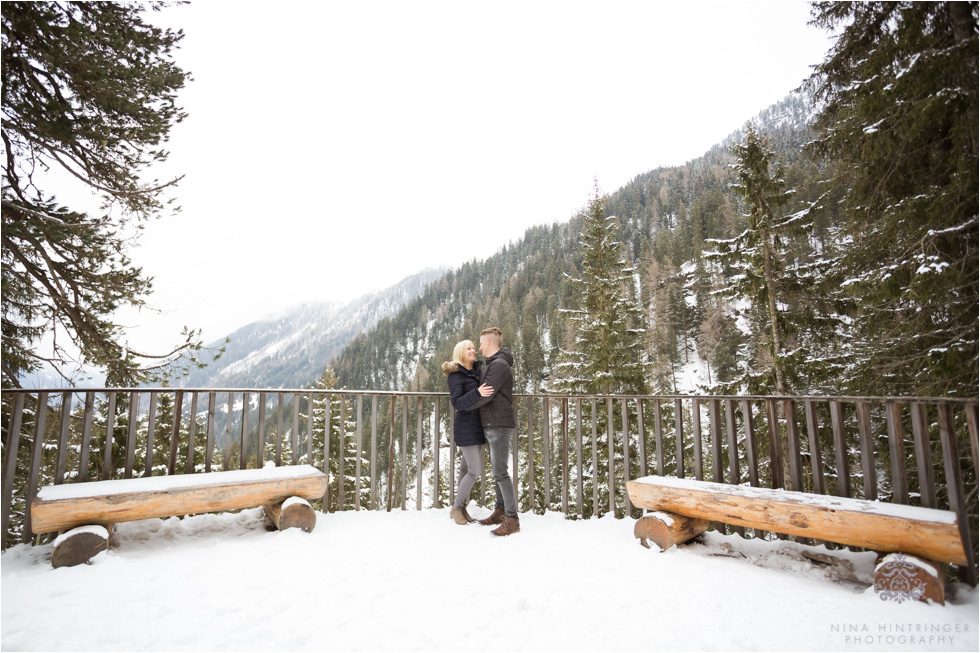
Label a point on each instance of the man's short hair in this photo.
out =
(494, 335)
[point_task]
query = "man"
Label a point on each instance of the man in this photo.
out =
(497, 415)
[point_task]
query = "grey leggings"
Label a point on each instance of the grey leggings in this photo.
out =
(470, 469)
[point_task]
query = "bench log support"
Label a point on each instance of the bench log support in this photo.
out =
(666, 530)
(79, 545)
(291, 513)
(901, 577)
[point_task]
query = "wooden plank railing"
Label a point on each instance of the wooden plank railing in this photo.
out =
(918, 451)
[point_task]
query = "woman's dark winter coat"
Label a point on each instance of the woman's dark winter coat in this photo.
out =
(463, 393)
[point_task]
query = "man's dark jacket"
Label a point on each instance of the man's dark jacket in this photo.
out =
(497, 410)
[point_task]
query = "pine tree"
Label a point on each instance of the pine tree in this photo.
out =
(88, 87)
(758, 255)
(898, 97)
(609, 356)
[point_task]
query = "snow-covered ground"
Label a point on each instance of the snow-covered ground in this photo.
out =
(417, 581)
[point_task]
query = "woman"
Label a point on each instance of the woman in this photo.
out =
(463, 378)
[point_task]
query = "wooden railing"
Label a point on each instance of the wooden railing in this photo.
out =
(919, 451)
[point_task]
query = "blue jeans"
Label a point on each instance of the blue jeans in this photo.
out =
(499, 441)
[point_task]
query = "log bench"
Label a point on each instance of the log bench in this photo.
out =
(88, 510)
(920, 540)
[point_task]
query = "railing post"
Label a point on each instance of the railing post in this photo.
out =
(923, 455)
(546, 451)
(696, 423)
(404, 452)
(391, 453)
(418, 456)
(612, 457)
(279, 411)
(595, 457)
(226, 462)
(436, 499)
(564, 456)
(357, 453)
(658, 434)
(110, 425)
(374, 451)
(259, 432)
(327, 410)
(678, 433)
(896, 452)
(816, 457)
(209, 445)
(294, 432)
(840, 449)
(134, 399)
(714, 413)
(59, 474)
(530, 455)
(10, 462)
(86, 436)
(243, 439)
(515, 477)
(954, 486)
(749, 428)
(37, 453)
(642, 450)
(733, 466)
(192, 434)
(341, 451)
(310, 400)
(867, 451)
(793, 439)
(624, 410)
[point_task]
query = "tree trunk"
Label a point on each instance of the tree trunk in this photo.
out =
(777, 346)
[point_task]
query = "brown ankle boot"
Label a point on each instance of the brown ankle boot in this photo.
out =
(457, 515)
(469, 520)
(509, 526)
(495, 517)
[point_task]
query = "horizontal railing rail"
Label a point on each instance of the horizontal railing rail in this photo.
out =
(571, 453)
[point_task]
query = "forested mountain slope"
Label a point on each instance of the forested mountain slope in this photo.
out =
(829, 247)
(665, 216)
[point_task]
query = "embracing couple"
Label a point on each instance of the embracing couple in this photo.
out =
(482, 394)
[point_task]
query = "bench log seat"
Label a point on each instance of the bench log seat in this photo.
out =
(104, 503)
(685, 506)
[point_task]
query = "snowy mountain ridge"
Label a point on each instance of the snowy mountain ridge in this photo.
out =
(291, 348)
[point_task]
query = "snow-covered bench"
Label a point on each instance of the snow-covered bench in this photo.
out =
(920, 539)
(86, 509)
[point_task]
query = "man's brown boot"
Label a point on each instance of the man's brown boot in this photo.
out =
(496, 517)
(509, 526)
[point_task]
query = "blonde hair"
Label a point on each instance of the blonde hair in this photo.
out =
(460, 349)
(494, 335)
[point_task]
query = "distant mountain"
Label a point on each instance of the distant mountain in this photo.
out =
(291, 349)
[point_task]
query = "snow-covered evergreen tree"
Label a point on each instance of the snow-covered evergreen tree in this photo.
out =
(609, 354)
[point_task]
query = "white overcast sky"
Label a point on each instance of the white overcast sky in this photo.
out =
(334, 148)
